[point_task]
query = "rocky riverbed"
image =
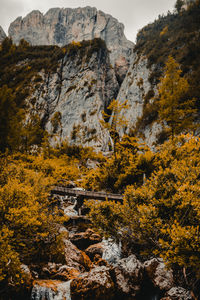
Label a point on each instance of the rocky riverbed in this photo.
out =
(95, 269)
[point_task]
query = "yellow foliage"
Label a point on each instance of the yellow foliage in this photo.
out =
(113, 118)
(74, 43)
(164, 31)
(173, 108)
(163, 214)
(29, 222)
(126, 166)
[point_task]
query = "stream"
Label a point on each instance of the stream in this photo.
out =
(55, 290)
(58, 291)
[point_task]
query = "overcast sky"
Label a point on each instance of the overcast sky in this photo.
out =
(134, 14)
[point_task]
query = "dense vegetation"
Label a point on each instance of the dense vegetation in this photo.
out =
(177, 34)
(29, 220)
(174, 107)
(161, 216)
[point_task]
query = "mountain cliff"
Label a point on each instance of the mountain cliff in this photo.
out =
(178, 35)
(67, 88)
(70, 85)
(61, 26)
(2, 34)
(83, 84)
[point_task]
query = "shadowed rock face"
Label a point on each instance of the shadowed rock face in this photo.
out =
(61, 26)
(2, 34)
(80, 88)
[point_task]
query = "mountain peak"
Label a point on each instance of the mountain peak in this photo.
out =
(61, 26)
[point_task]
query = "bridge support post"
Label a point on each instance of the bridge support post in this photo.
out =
(80, 200)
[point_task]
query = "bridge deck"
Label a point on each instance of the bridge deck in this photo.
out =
(63, 191)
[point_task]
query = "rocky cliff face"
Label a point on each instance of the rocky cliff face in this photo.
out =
(81, 88)
(71, 99)
(62, 26)
(136, 88)
(2, 34)
(84, 83)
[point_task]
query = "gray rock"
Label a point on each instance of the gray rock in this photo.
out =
(160, 276)
(134, 88)
(177, 293)
(96, 249)
(79, 90)
(59, 272)
(128, 274)
(2, 34)
(61, 26)
(75, 258)
(83, 240)
(97, 284)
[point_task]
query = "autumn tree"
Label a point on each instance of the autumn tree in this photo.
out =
(178, 5)
(56, 122)
(32, 133)
(126, 166)
(174, 107)
(29, 221)
(114, 120)
(11, 118)
(162, 216)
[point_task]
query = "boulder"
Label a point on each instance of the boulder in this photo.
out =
(177, 293)
(76, 258)
(94, 249)
(98, 261)
(128, 275)
(97, 284)
(160, 276)
(59, 272)
(112, 251)
(84, 239)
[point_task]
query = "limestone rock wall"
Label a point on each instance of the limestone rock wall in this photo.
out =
(2, 34)
(135, 88)
(78, 91)
(61, 26)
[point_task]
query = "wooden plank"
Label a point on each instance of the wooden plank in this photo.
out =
(60, 190)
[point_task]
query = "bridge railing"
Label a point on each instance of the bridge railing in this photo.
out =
(64, 191)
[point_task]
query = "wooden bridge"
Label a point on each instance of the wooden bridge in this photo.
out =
(81, 195)
(64, 191)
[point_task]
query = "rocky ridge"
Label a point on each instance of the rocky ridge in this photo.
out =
(135, 88)
(61, 26)
(81, 88)
(2, 34)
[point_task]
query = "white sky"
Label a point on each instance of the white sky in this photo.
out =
(134, 14)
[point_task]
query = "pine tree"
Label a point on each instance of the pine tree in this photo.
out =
(10, 120)
(179, 4)
(173, 108)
